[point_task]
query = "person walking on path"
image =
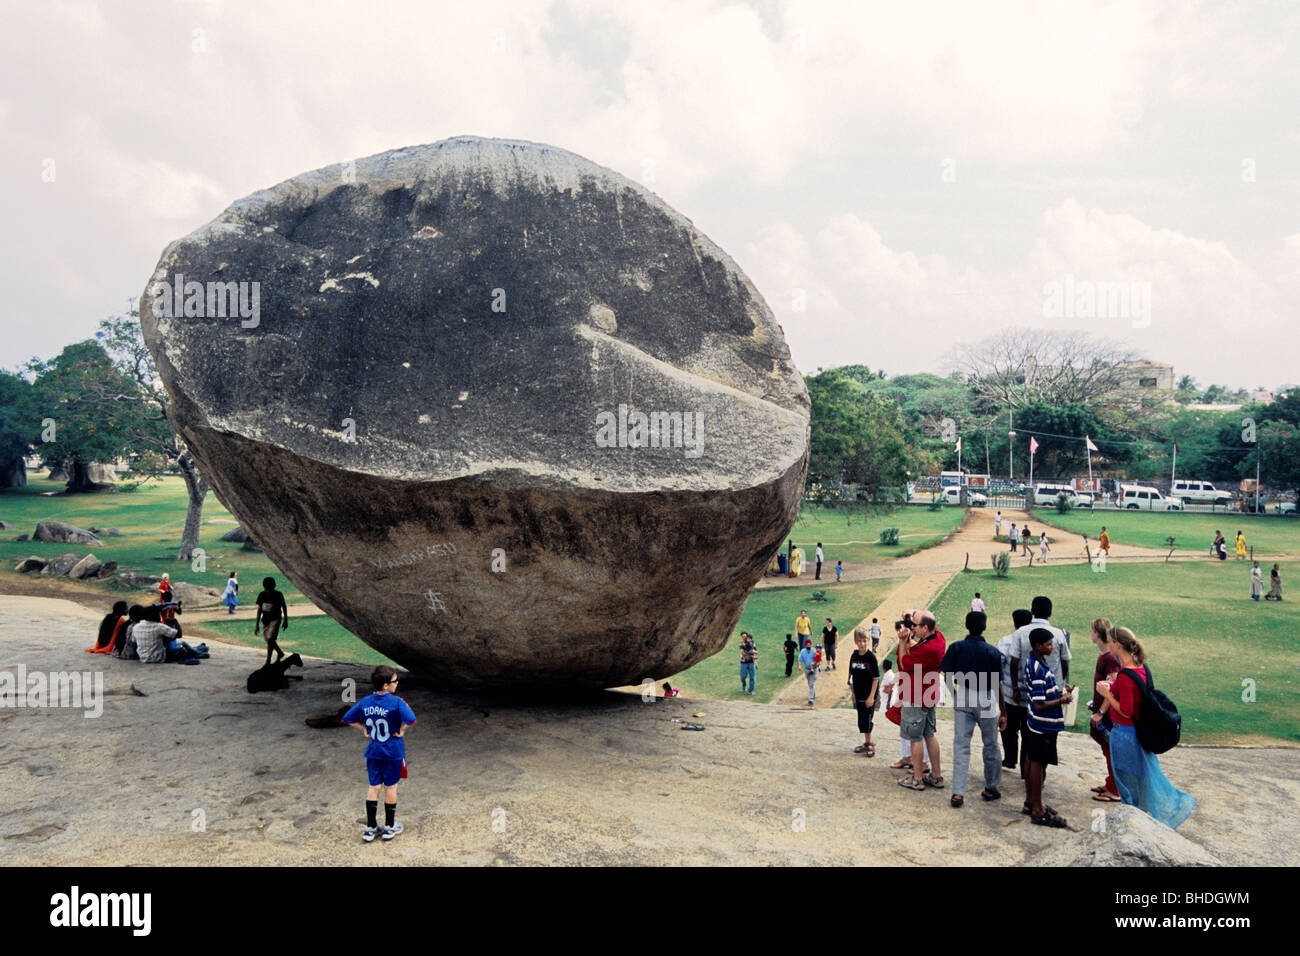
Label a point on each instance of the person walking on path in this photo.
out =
(1140, 780)
(919, 674)
(1274, 585)
(973, 669)
(802, 627)
(997, 525)
(1103, 543)
(1256, 582)
(830, 636)
(1013, 536)
(1045, 720)
(864, 686)
(230, 597)
(384, 718)
(1013, 734)
(1043, 548)
(272, 617)
(1107, 667)
(1241, 546)
(876, 632)
(748, 663)
(791, 648)
(839, 571)
(808, 662)
(819, 557)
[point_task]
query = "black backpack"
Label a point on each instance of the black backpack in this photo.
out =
(1159, 725)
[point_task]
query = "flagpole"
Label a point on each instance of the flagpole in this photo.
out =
(1173, 470)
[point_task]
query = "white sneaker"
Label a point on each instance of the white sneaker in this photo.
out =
(368, 835)
(390, 832)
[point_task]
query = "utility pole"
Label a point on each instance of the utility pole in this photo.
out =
(1011, 447)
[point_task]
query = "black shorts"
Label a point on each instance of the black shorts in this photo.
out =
(830, 652)
(1040, 748)
(866, 716)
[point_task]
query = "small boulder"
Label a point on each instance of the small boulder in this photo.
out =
(23, 537)
(194, 595)
(235, 534)
(27, 565)
(62, 533)
(106, 570)
(6, 526)
(1125, 836)
(137, 579)
(61, 565)
(87, 567)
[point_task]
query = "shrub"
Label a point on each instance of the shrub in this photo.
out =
(819, 596)
(935, 503)
(889, 536)
(1064, 503)
(1002, 564)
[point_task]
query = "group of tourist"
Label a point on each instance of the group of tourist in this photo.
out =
(1016, 693)
(1023, 538)
(790, 563)
(151, 634)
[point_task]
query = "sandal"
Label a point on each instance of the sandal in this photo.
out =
(1028, 811)
(901, 765)
(930, 781)
(1048, 820)
(860, 749)
(994, 794)
(1105, 797)
(1101, 789)
(911, 783)
(871, 750)
(957, 801)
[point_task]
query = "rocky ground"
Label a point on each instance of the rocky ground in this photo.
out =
(198, 771)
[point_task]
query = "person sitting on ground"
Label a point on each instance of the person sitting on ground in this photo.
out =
(110, 629)
(125, 648)
(669, 689)
(157, 643)
(1045, 720)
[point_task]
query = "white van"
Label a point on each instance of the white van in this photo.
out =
(952, 496)
(1199, 493)
(1142, 498)
(1045, 496)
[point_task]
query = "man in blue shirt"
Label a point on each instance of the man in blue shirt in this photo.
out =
(386, 717)
(973, 670)
(807, 660)
(1044, 719)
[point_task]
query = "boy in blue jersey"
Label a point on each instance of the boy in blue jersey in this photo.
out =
(386, 717)
(1044, 719)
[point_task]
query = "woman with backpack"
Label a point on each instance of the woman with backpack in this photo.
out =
(1141, 782)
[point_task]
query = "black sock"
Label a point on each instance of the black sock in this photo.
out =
(390, 813)
(372, 809)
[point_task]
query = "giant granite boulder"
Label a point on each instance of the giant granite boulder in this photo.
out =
(59, 532)
(500, 411)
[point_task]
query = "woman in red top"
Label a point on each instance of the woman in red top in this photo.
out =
(1138, 775)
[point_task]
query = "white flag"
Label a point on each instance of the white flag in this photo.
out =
(958, 444)
(1091, 446)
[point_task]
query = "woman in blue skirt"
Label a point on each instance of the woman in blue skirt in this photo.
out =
(230, 597)
(1141, 782)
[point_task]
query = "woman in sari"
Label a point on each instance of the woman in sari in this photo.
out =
(109, 629)
(1275, 585)
(1141, 782)
(230, 597)
(1241, 546)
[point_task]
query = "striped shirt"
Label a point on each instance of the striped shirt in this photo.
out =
(1043, 688)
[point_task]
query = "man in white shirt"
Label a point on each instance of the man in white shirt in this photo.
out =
(819, 557)
(978, 603)
(1058, 660)
(997, 524)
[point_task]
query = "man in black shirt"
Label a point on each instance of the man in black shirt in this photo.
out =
(864, 685)
(272, 616)
(790, 648)
(829, 636)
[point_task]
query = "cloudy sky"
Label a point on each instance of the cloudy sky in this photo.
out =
(895, 178)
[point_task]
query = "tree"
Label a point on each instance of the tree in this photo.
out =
(123, 341)
(89, 411)
(18, 431)
(857, 437)
(1279, 445)
(1187, 390)
(1018, 367)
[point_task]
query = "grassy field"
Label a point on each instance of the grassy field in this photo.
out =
(769, 616)
(1203, 634)
(854, 534)
(1269, 535)
(151, 520)
(315, 634)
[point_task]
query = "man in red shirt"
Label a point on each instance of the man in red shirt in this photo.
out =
(920, 686)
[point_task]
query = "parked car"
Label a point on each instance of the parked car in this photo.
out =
(1142, 498)
(1199, 493)
(1045, 496)
(952, 496)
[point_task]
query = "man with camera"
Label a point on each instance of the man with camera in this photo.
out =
(920, 656)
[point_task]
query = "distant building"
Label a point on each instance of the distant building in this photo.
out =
(1262, 397)
(1154, 378)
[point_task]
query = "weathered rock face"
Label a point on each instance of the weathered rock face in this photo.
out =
(1128, 838)
(29, 564)
(61, 565)
(87, 567)
(500, 411)
(62, 533)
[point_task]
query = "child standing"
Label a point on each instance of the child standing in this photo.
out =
(864, 684)
(790, 648)
(386, 718)
(839, 571)
(875, 635)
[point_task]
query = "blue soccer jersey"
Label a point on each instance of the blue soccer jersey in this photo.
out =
(383, 716)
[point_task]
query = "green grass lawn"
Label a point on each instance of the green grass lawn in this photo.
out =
(1192, 532)
(315, 634)
(1203, 635)
(151, 520)
(769, 616)
(854, 534)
